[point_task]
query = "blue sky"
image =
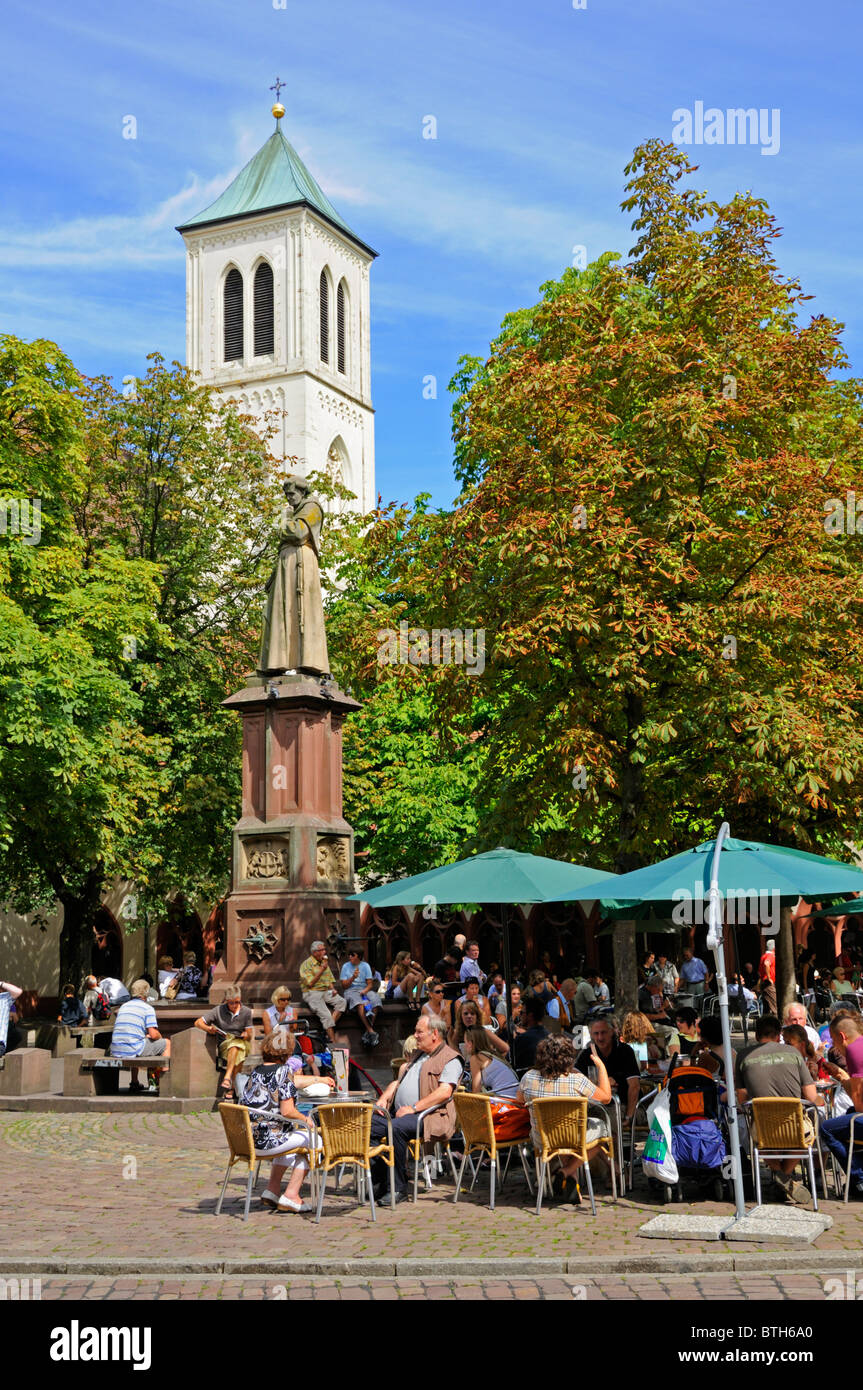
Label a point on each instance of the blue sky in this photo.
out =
(538, 108)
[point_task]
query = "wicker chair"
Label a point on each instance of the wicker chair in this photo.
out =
(346, 1133)
(561, 1123)
(776, 1130)
(237, 1123)
(426, 1152)
(476, 1124)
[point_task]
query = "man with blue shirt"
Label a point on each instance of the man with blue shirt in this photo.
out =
(693, 972)
(135, 1031)
(470, 965)
(357, 981)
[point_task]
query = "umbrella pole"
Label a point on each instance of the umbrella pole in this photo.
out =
(741, 998)
(714, 941)
(507, 973)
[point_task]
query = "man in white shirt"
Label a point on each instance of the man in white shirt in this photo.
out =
(114, 990)
(796, 1013)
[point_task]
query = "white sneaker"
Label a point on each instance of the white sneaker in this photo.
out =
(272, 1198)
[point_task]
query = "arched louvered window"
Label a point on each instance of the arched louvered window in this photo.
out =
(264, 330)
(341, 327)
(325, 317)
(233, 316)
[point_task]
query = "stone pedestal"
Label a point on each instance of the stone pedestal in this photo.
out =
(293, 853)
(193, 1064)
(76, 1081)
(26, 1072)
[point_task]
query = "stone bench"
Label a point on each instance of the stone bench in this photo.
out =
(25, 1072)
(89, 1072)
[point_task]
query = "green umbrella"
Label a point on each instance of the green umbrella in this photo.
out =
(501, 876)
(747, 869)
(844, 909)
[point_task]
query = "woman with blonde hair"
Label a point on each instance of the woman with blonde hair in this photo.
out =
(167, 974)
(280, 1014)
(638, 1029)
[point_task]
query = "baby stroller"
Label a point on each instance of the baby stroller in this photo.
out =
(698, 1138)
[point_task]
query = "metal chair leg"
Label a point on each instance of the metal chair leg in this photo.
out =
(812, 1180)
(540, 1184)
(589, 1181)
(525, 1168)
(756, 1174)
(321, 1190)
(249, 1182)
(222, 1193)
(367, 1173)
(493, 1177)
(460, 1176)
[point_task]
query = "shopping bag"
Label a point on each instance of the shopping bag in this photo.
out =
(657, 1159)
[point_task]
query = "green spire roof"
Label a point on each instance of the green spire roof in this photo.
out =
(274, 178)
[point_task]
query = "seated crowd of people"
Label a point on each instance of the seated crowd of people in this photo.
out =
(465, 1037)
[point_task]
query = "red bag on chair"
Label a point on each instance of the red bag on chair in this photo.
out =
(510, 1121)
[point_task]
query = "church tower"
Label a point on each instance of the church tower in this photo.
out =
(277, 313)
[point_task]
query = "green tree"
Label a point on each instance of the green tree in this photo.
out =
(123, 629)
(646, 457)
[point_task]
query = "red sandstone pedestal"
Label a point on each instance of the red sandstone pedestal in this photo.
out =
(293, 860)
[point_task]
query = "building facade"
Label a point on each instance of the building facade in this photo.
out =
(277, 315)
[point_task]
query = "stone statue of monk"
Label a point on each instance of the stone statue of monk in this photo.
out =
(294, 638)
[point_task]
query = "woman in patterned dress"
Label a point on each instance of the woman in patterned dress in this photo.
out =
(278, 1128)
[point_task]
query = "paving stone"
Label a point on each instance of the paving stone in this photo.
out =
(677, 1227)
(782, 1225)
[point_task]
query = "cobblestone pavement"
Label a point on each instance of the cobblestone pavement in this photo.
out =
(69, 1180)
(613, 1288)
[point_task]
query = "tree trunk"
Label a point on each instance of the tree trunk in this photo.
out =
(786, 982)
(631, 808)
(76, 933)
(625, 968)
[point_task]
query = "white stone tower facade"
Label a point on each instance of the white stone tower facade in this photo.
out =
(277, 314)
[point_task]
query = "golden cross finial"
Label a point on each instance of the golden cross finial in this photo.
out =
(278, 108)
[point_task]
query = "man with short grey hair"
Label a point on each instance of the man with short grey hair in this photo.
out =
(425, 1083)
(136, 1033)
(796, 1014)
(319, 989)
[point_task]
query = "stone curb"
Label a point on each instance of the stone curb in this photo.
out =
(595, 1266)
